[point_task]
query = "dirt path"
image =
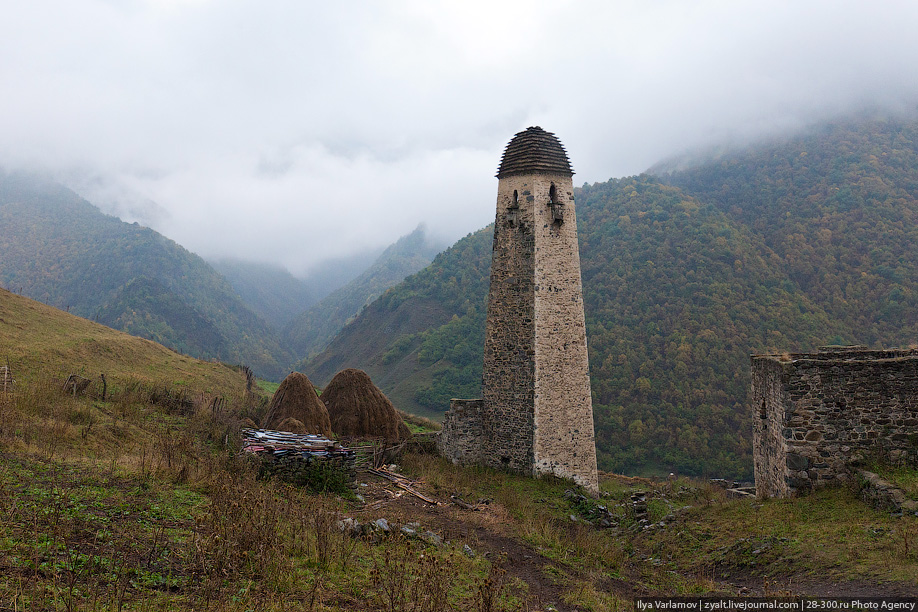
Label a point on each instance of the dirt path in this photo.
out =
(484, 530)
(487, 532)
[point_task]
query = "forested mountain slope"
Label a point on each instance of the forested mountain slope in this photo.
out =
(60, 249)
(311, 331)
(676, 295)
(400, 337)
(268, 290)
(838, 206)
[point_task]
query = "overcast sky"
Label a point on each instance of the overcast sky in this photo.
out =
(292, 131)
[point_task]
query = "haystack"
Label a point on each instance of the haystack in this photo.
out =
(358, 408)
(293, 426)
(296, 400)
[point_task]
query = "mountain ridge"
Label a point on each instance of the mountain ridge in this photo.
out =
(312, 330)
(61, 250)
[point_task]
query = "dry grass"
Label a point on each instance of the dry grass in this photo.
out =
(130, 504)
(585, 595)
(419, 424)
(40, 341)
(135, 498)
(830, 533)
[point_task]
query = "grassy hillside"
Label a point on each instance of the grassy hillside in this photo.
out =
(137, 502)
(61, 250)
(40, 342)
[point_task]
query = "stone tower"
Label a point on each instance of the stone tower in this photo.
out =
(536, 381)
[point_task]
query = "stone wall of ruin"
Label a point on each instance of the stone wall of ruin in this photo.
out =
(462, 435)
(768, 399)
(817, 414)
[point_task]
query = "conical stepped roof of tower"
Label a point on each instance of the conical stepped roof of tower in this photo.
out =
(534, 151)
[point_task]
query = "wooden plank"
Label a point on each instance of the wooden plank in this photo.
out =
(402, 483)
(462, 504)
(415, 493)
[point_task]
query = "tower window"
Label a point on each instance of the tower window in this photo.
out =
(557, 208)
(514, 209)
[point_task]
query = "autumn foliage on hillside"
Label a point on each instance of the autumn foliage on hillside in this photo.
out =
(783, 246)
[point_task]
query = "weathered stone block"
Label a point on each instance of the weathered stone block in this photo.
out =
(796, 462)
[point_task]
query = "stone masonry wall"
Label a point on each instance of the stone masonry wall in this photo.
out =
(508, 377)
(825, 411)
(770, 451)
(461, 438)
(563, 443)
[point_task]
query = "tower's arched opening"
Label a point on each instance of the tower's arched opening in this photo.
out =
(557, 207)
(514, 209)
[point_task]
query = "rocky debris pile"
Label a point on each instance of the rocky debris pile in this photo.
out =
(380, 529)
(884, 495)
(741, 492)
(595, 514)
(734, 489)
(639, 508)
(300, 458)
(642, 514)
(631, 513)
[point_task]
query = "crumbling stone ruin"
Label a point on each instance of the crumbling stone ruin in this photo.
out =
(818, 414)
(462, 438)
(535, 415)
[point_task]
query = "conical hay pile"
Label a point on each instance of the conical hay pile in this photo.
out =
(358, 408)
(292, 425)
(296, 399)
